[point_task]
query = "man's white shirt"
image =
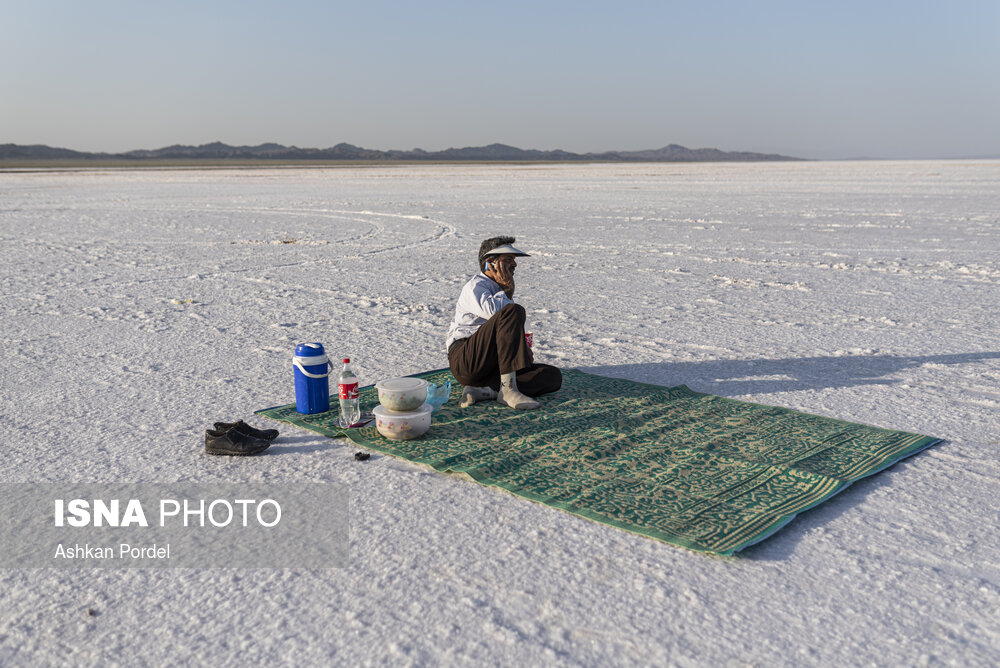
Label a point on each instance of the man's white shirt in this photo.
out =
(479, 300)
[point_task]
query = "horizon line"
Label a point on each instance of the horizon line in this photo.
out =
(595, 154)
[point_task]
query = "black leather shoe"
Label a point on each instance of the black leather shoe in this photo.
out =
(233, 442)
(243, 427)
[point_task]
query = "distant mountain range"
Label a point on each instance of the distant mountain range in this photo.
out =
(494, 152)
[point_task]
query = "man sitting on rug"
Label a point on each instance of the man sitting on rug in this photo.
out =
(487, 352)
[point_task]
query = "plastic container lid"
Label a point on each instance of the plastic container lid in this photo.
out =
(401, 385)
(309, 350)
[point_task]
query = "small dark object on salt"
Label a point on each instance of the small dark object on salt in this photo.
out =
(362, 456)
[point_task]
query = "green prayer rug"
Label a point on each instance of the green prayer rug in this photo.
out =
(696, 470)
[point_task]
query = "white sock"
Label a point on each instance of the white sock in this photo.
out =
(471, 395)
(513, 397)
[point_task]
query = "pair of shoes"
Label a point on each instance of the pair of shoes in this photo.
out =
(244, 428)
(233, 442)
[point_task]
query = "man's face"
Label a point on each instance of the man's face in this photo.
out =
(507, 261)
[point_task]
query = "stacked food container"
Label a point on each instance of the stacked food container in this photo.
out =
(403, 412)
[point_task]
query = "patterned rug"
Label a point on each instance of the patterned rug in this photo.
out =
(703, 472)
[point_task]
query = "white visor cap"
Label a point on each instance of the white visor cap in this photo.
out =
(507, 249)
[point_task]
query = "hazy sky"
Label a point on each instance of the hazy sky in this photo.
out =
(831, 79)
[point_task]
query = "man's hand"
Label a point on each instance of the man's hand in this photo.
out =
(504, 276)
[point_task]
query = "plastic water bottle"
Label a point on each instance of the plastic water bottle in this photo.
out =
(350, 405)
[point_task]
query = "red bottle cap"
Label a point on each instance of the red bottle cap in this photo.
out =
(347, 360)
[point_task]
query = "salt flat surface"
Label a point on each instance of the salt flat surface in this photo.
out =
(141, 306)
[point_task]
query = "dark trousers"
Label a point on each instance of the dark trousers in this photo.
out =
(498, 347)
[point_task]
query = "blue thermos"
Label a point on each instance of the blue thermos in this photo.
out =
(312, 384)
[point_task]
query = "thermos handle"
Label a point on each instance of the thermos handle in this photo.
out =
(297, 363)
